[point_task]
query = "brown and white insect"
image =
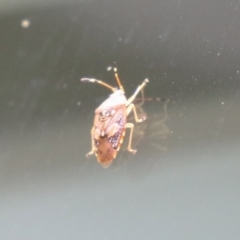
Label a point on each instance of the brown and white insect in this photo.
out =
(110, 121)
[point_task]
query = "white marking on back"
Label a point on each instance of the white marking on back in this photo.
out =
(115, 99)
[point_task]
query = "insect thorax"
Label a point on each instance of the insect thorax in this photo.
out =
(115, 100)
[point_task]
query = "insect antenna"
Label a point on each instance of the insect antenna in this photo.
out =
(99, 82)
(117, 77)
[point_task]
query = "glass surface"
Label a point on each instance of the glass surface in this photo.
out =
(183, 182)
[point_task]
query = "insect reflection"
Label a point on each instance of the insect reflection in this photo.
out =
(154, 131)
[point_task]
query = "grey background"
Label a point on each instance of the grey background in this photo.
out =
(183, 183)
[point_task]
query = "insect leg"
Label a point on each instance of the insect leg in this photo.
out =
(117, 77)
(129, 148)
(139, 88)
(132, 107)
(93, 147)
(99, 82)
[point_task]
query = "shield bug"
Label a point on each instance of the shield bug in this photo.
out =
(110, 121)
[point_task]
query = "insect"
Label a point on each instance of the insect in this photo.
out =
(110, 121)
